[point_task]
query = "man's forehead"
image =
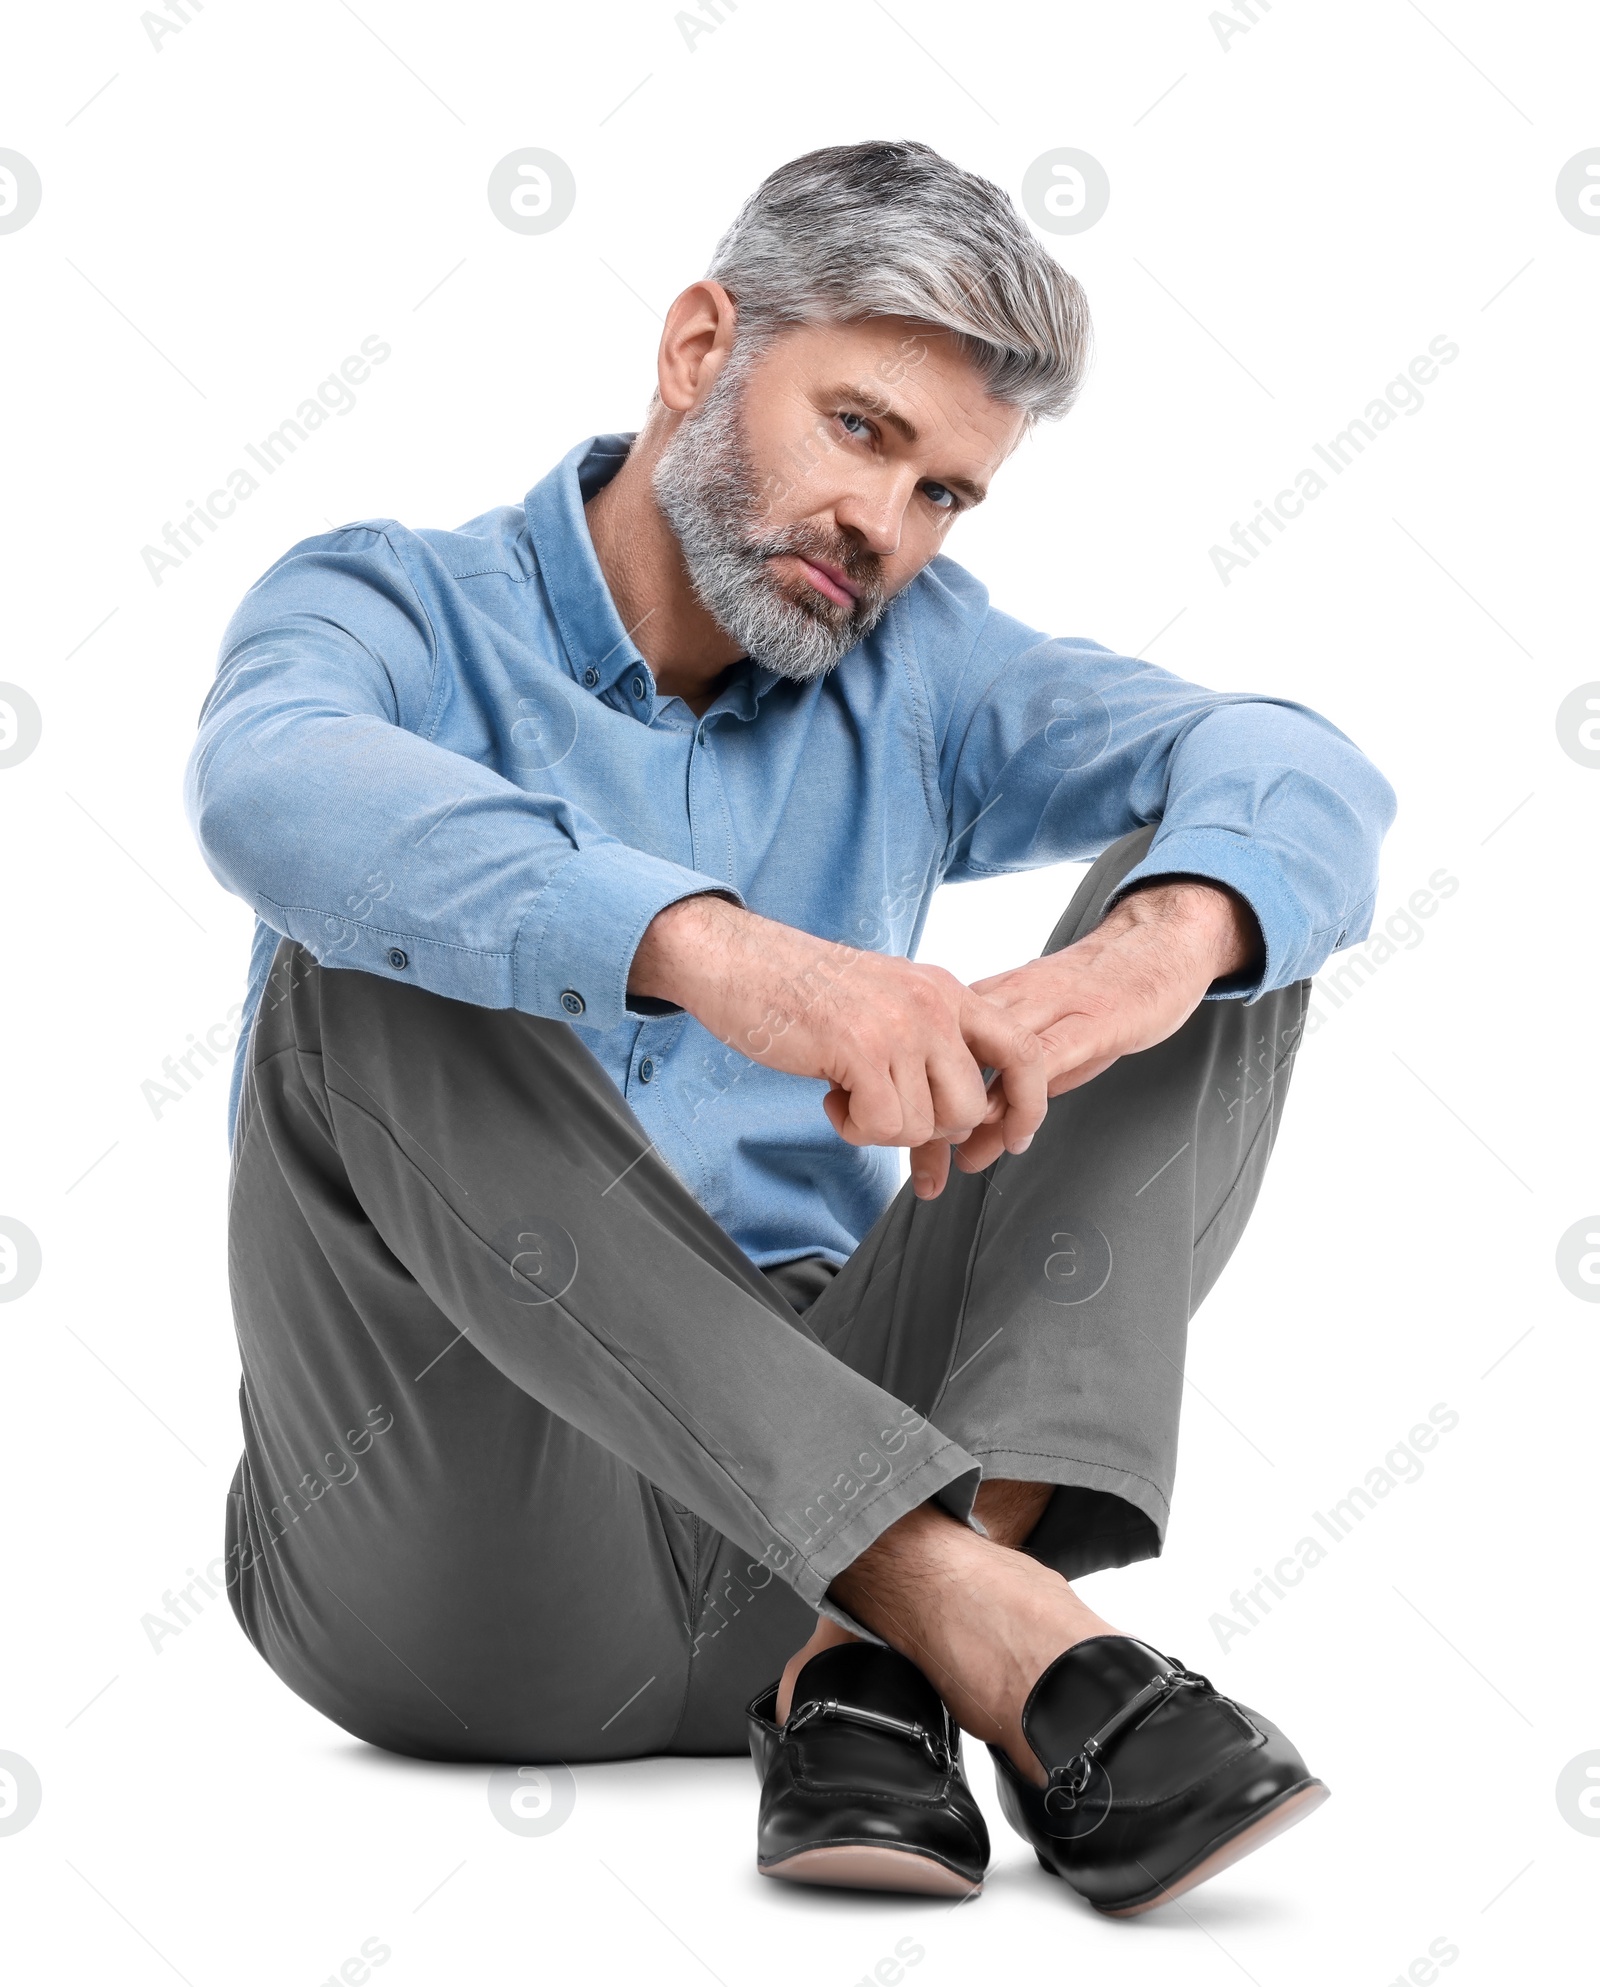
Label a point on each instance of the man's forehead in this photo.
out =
(915, 380)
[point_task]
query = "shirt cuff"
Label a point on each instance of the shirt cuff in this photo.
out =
(1216, 855)
(576, 945)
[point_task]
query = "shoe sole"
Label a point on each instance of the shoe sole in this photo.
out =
(864, 1866)
(1285, 1812)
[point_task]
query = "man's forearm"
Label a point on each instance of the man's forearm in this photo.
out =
(700, 940)
(687, 944)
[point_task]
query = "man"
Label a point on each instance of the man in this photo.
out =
(594, 1371)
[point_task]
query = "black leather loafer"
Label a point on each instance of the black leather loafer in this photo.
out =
(863, 1786)
(1157, 1781)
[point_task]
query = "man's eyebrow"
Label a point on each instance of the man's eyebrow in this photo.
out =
(963, 488)
(869, 398)
(863, 394)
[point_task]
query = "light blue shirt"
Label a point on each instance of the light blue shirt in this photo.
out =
(438, 757)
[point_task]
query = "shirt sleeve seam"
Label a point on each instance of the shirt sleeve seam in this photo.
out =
(433, 709)
(979, 701)
(927, 746)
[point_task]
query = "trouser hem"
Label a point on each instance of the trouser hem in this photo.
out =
(1100, 1517)
(949, 1476)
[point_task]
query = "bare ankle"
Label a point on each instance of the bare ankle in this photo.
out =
(981, 1620)
(1009, 1509)
(826, 1635)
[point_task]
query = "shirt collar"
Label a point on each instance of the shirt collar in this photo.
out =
(600, 651)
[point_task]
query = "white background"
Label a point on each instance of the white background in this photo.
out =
(1293, 220)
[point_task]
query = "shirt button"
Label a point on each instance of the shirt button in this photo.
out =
(591, 677)
(397, 959)
(637, 686)
(647, 1069)
(572, 1001)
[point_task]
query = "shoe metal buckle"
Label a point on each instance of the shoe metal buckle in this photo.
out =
(832, 1707)
(1068, 1783)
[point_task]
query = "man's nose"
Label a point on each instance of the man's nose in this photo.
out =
(875, 516)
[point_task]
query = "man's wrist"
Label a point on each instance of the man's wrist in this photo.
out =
(675, 945)
(1212, 922)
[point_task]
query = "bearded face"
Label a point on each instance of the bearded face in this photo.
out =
(711, 495)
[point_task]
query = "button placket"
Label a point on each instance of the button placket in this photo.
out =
(708, 807)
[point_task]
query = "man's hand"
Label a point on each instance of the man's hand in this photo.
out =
(904, 1046)
(1128, 984)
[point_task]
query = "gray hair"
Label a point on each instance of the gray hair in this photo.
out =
(892, 229)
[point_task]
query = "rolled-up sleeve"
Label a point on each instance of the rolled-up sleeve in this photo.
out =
(318, 798)
(1047, 750)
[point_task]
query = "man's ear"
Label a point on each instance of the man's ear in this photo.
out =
(695, 344)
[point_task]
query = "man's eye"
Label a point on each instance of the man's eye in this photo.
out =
(937, 495)
(854, 425)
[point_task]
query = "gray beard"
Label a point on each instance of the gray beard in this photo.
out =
(709, 494)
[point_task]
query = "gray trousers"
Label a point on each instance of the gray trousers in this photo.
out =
(538, 1465)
